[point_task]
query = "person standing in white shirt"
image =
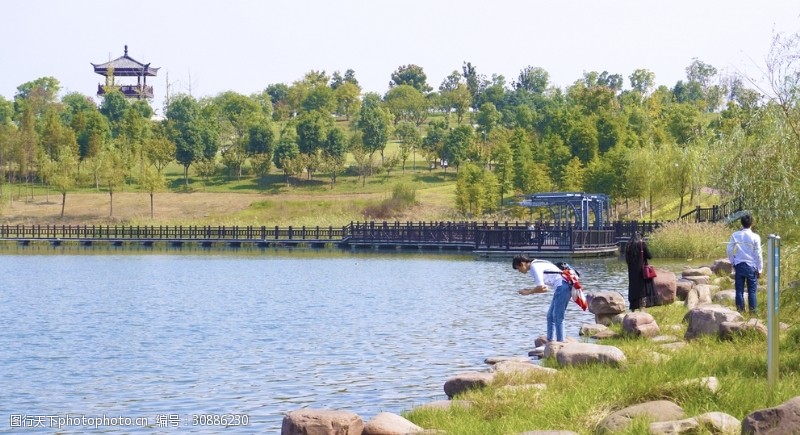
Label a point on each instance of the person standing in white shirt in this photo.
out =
(744, 253)
(547, 275)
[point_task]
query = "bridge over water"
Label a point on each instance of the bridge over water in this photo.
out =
(481, 238)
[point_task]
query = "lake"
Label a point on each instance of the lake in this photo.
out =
(161, 337)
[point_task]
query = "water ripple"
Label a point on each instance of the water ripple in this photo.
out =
(257, 334)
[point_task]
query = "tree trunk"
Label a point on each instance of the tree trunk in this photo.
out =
(111, 203)
(151, 205)
(63, 202)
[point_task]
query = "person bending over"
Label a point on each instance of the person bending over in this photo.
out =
(547, 275)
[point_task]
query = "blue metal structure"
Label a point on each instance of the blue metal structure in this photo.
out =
(573, 207)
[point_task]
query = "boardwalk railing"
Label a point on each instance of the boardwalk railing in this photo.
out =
(714, 213)
(482, 235)
(467, 235)
(185, 233)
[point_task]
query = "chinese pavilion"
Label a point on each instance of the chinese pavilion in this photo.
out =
(126, 66)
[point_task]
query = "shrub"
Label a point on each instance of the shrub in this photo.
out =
(690, 240)
(403, 197)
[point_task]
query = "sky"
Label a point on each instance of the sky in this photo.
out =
(207, 47)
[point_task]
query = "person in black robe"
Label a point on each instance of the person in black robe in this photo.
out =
(641, 292)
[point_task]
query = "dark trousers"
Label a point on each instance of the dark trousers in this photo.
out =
(745, 273)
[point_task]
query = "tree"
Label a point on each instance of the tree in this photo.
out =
(522, 159)
(113, 107)
(349, 77)
(347, 99)
(473, 82)
(503, 169)
(92, 134)
(374, 122)
(411, 75)
(334, 151)
(410, 139)
(312, 132)
(65, 169)
(642, 81)
(457, 143)
(433, 143)
(406, 103)
(533, 79)
(364, 162)
(261, 141)
(476, 190)
(113, 172)
(37, 95)
(287, 151)
(159, 151)
(460, 100)
(488, 120)
(583, 139)
(233, 114)
(186, 130)
(700, 72)
(151, 180)
(574, 176)
(321, 98)
(279, 95)
(783, 76)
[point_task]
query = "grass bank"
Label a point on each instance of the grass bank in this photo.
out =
(578, 398)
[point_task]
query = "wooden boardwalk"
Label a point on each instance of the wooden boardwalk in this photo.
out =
(485, 239)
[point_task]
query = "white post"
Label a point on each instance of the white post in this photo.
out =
(773, 284)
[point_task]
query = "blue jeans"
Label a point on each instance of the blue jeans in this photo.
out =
(555, 314)
(745, 272)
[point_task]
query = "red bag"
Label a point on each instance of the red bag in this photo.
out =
(649, 271)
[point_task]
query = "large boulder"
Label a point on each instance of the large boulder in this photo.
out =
(466, 381)
(588, 330)
(585, 353)
(698, 279)
(704, 293)
(722, 267)
(698, 271)
(665, 287)
(682, 288)
(607, 302)
(725, 297)
(706, 320)
(731, 330)
(387, 423)
(783, 419)
(605, 305)
(521, 367)
(321, 422)
(713, 422)
(640, 324)
(659, 410)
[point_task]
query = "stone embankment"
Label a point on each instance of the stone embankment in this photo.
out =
(709, 312)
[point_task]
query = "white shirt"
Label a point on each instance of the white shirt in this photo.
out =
(545, 273)
(745, 247)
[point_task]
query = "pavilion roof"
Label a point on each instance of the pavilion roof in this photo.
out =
(125, 66)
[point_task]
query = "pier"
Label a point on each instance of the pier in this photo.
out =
(484, 239)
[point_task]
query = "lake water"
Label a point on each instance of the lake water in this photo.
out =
(117, 336)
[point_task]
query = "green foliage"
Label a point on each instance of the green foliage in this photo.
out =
(703, 241)
(411, 75)
(374, 122)
(403, 197)
(406, 103)
(477, 190)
